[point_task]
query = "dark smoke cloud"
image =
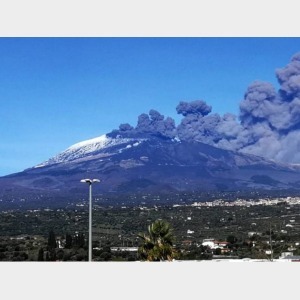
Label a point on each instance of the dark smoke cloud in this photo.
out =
(125, 127)
(197, 107)
(289, 79)
(156, 123)
(273, 119)
(268, 124)
(152, 123)
(257, 103)
(199, 128)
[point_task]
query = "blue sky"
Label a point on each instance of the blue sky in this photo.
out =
(55, 92)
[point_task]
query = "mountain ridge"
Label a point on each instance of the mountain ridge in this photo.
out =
(150, 163)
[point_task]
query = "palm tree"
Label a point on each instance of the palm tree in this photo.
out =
(157, 244)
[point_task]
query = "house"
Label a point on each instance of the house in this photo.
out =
(214, 244)
(221, 244)
(130, 249)
(208, 242)
(252, 233)
(291, 258)
(289, 225)
(286, 254)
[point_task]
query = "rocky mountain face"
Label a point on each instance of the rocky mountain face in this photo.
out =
(148, 163)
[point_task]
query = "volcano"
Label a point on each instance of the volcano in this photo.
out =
(148, 163)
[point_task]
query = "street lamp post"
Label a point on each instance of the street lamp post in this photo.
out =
(90, 182)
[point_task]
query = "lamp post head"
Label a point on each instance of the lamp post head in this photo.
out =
(96, 180)
(89, 181)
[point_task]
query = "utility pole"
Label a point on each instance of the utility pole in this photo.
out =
(271, 248)
(90, 182)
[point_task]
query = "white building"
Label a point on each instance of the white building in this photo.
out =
(214, 244)
(130, 249)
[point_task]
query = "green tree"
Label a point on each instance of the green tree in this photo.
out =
(51, 240)
(69, 241)
(157, 244)
(218, 251)
(52, 255)
(79, 240)
(41, 255)
(231, 239)
(60, 254)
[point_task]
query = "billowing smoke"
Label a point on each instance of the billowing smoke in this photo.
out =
(154, 123)
(197, 108)
(273, 119)
(125, 127)
(195, 126)
(289, 79)
(268, 123)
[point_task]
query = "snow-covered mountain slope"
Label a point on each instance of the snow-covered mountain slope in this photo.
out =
(146, 163)
(92, 147)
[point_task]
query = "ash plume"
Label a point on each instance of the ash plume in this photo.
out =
(197, 108)
(155, 123)
(152, 123)
(273, 118)
(268, 123)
